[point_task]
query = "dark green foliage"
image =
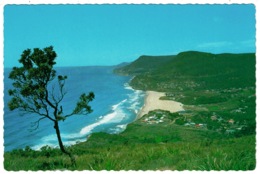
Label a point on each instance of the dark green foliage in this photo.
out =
(180, 121)
(172, 116)
(82, 106)
(31, 80)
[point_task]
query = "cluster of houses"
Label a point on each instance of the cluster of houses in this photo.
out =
(232, 90)
(200, 125)
(239, 110)
(175, 85)
(228, 126)
(220, 119)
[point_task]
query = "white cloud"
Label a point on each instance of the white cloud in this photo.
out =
(248, 43)
(215, 44)
(228, 46)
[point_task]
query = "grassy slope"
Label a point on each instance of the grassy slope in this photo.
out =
(207, 84)
(163, 146)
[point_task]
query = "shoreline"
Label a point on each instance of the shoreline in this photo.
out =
(153, 102)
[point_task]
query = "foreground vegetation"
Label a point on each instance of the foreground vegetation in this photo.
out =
(142, 146)
(215, 132)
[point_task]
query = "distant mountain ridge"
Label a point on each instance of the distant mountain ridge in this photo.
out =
(206, 69)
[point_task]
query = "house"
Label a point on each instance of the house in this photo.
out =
(187, 124)
(220, 119)
(231, 121)
(152, 117)
(240, 128)
(230, 131)
(192, 124)
(203, 125)
(214, 117)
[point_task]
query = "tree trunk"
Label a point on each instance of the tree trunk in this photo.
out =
(62, 148)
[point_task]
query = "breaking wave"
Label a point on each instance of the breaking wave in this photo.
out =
(116, 116)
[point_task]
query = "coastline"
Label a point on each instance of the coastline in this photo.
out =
(153, 102)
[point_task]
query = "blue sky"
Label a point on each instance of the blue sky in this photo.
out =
(111, 34)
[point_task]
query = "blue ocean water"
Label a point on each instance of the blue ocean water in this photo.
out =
(115, 105)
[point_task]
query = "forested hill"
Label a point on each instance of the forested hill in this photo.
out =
(195, 70)
(143, 64)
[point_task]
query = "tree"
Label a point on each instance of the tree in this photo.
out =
(35, 91)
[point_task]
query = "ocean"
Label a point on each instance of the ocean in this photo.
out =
(115, 105)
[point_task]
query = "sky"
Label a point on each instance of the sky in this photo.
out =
(87, 35)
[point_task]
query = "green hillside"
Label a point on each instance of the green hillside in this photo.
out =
(197, 70)
(143, 64)
(219, 86)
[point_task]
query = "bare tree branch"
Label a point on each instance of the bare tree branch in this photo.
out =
(32, 111)
(52, 94)
(48, 101)
(45, 107)
(61, 89)
(36, 123)
(69, 115)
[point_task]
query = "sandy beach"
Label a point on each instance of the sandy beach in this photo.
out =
(152, 102)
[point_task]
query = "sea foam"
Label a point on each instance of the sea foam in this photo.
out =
(117, 115)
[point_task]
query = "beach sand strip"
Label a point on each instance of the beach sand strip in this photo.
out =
(153, 102)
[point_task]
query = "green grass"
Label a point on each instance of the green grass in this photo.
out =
(162, 146)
